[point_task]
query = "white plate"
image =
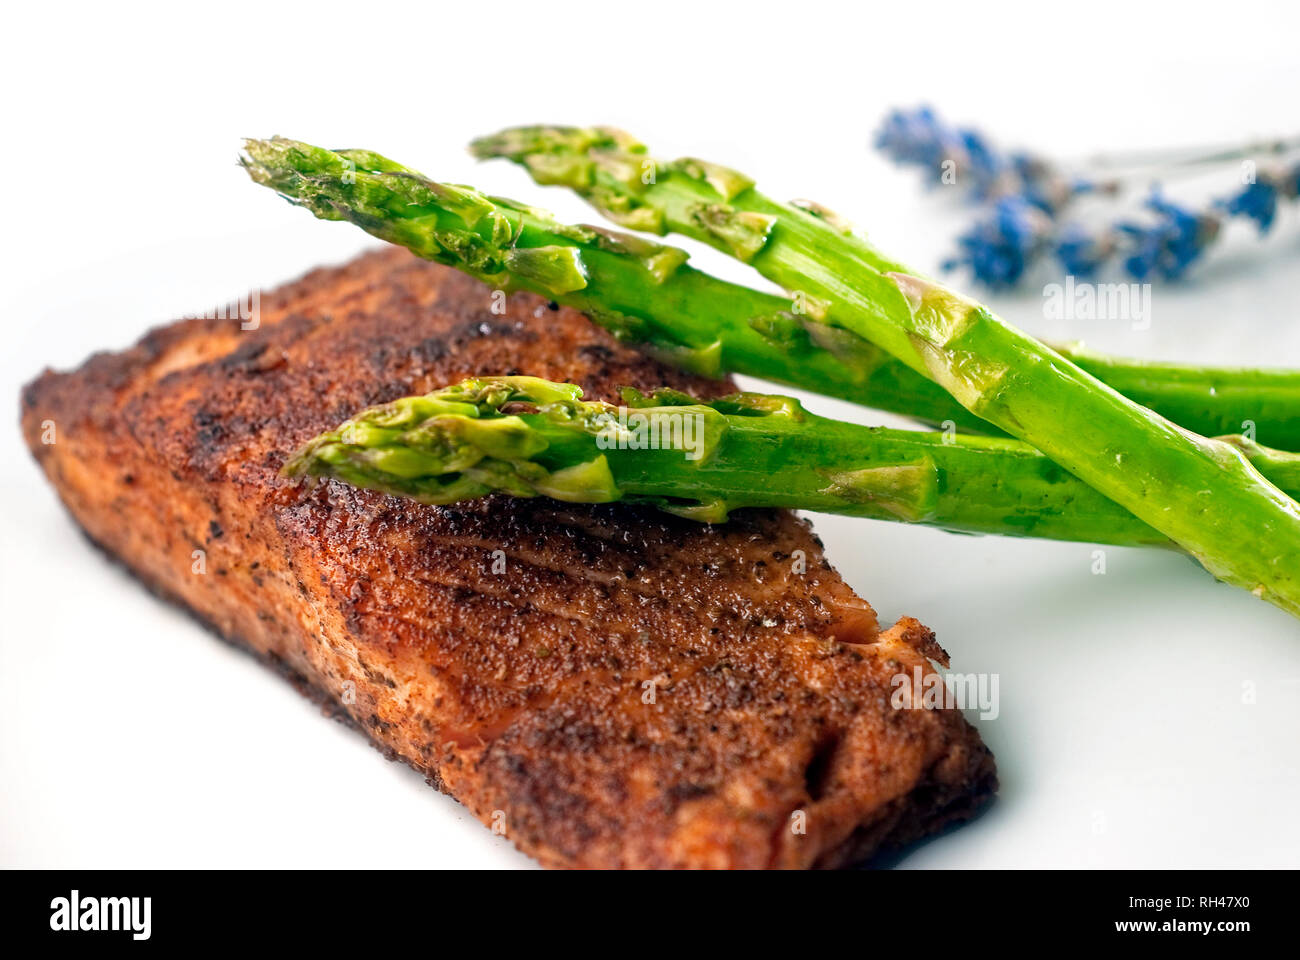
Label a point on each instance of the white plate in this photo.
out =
(1148, 716)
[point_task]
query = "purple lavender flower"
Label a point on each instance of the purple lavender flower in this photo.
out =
(919, 138)
(1000, 248)
(1172, 243)
(914, 138)
(1166, 245)
(1257, 200)
(1082, 254)
(1027, 195)
(983, 163)
(1052, 194)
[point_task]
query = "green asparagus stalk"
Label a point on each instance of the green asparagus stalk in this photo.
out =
(1203, 494)
(644, 293)
(527, 437)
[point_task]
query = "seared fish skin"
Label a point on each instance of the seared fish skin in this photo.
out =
(614, 686)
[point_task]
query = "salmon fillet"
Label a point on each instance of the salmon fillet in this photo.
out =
(608, 685)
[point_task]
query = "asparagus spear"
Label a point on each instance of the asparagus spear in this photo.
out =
(524, 436)
(1203, 494)
(644, 293)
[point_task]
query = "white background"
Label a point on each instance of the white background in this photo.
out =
(129, 737)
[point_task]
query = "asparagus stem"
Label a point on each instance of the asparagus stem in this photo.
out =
(644, 293)
(1203, 494)
(525, 437)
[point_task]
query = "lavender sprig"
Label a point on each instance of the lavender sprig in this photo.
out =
(919, 138)
(1175, 237)
(1259, 199)
(1166, 247)
(1002, 246)
(999, 248)
(1028, 194)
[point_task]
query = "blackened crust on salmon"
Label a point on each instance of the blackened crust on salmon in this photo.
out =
(616, 687)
